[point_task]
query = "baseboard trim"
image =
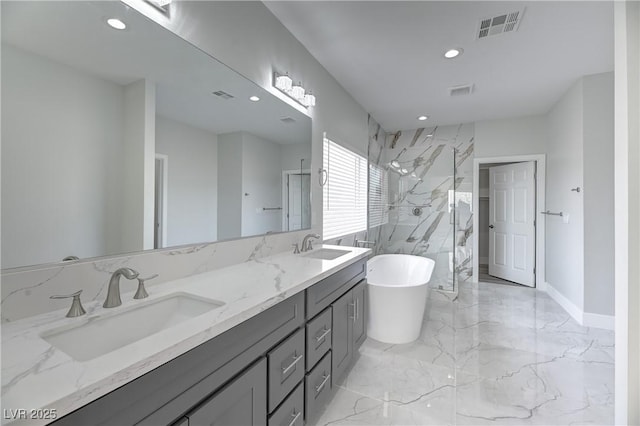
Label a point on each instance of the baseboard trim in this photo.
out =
(566, 304)
(608, 322)
(586, 319)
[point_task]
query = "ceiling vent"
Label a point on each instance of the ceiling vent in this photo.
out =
(499, 24)
(224, 95)
(287, 120)
(467, 89)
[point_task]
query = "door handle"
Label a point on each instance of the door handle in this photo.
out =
(491, 226)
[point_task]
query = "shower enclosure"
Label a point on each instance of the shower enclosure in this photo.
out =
(420, 199)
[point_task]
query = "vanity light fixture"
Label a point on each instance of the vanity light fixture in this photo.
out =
(116, 24)
(423, 117)
(283, 82)
(254, 98)
(162, 5)
(452, 53)
(296, 91)
(309, 100)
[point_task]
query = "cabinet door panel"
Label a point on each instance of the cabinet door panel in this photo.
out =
(242, 402)
(342, 336)
(360, 323)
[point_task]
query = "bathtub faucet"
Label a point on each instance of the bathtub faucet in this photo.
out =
(356, 243)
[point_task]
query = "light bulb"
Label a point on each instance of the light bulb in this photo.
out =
(309, 100)
(297, 91)
(284, 82)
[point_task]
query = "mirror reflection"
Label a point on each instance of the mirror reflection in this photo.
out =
(121, 140)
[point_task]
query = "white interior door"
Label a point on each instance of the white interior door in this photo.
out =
(512, 198)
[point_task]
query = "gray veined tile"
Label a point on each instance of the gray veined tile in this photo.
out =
(350, 408)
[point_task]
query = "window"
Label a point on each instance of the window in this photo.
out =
(344, 202)
(378, 196)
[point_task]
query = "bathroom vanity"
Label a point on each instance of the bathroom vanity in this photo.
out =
(283, 334)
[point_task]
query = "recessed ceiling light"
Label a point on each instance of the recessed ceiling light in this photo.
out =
(116, 24)
(452, 53)
(254, 98)
(422, 117)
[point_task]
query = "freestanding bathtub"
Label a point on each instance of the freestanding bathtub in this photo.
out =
(397, 296)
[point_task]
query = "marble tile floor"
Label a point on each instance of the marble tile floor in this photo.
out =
(497, 355)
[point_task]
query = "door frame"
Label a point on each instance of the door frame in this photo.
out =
(541, 168)
(285, 192)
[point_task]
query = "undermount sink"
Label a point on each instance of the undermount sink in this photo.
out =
(327, 254)
(106, 334)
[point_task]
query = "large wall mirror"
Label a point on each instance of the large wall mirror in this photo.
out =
(117, 141)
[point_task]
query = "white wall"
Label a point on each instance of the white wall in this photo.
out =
(627, 211)
(598, 194)
(192, 194)
(138, 160)
(229, 185)
(291, 154)
(262, 181)
(510, 136)
(73, 207)
(565, 241)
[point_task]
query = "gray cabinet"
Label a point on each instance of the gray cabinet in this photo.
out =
(342, 341)
(242, 402)
(318, 337)
(291, 411)
(286, 368)
(318, 389)
(360, 321)
(349, 329)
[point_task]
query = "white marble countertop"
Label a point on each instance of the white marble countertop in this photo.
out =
(36, 375)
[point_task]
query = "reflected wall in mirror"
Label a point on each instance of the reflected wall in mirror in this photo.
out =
(116, 141)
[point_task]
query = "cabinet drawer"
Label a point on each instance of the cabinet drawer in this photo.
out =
(286, 368)
(322, 294)
(318, 389)
(318, 337)
(291, 412)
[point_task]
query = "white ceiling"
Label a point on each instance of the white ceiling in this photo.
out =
(389, 54)
(76, 34)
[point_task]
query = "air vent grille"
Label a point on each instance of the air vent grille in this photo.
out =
(500, 24)
(467, 89)
(224, 95)
(287, 120)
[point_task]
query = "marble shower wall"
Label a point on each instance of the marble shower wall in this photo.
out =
(421, 166)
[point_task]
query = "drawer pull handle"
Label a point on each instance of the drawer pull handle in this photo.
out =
(326, 378)
(353, 306)
(323, 335)
(357, 310)
(285, 370)
(295, 416)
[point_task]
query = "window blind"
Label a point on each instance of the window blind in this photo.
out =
(378, 196)
(345, 192)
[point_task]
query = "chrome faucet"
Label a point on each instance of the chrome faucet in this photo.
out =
(113, 295)
(306, 242)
